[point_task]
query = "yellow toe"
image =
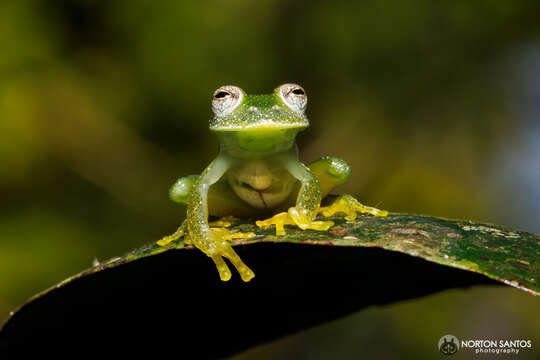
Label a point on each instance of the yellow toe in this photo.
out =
(279, 220)
(164, 241)
(223, 269)
(349, 206)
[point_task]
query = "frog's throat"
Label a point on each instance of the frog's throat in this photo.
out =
(257, 143)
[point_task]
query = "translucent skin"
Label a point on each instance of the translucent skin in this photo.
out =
(257, 173)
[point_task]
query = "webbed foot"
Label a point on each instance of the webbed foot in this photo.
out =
(218, 247)
(294, 216)
(350, 206)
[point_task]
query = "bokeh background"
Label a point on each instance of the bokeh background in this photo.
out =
(436, 105)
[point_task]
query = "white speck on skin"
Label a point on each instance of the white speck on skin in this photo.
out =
(95, 262)
(350, 238)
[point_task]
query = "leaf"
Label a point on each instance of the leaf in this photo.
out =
(172, 297)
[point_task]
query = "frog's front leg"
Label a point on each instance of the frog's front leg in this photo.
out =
(307, 203)
(212, 241)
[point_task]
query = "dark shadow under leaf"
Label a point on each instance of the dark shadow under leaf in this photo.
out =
(171, 299)
(175, 302)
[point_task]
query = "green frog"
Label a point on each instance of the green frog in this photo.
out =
(257, 174)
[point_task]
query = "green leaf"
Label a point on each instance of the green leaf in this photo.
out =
(173, 297)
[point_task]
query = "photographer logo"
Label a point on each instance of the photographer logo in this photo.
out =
(448, 344)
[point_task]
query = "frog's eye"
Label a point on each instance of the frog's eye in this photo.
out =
(226, 99)
(294, 96)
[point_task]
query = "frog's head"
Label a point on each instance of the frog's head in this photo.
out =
(259, 124)
(234, 110)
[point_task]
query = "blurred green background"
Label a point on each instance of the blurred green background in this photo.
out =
(436, 105)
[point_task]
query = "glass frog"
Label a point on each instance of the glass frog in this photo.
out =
(257, 174)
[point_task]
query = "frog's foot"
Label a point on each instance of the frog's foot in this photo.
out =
(223, 222)
(350, 206)
(279, 220)
(220, 238)
(177, 235)
(226, 234)
(294, 216)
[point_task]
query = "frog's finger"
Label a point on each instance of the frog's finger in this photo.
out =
(373, 211)
(341, 205)
(240, 235)
(320, 225)
(165, 240)
(177, 235)
(245, 272)
(220, 223)
(303, 220)
(349, 206)
(279, 220)
(223, 269)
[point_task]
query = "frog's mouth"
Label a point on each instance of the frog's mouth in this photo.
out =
(258, 119)
(259, 126)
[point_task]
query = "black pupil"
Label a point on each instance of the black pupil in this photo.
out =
(221, 94)
(298, 92)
